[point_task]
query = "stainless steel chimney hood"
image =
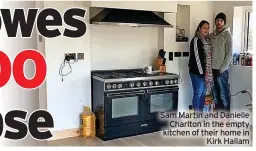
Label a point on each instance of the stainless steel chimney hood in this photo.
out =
(127, 17)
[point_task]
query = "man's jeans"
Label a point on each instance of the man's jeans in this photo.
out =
(199, 90)
(221, 92)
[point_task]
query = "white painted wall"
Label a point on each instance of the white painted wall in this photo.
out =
(183, 18)
(66, 99)
(161, 6)
(118, 47)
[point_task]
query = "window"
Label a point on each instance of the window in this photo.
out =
(247, 45)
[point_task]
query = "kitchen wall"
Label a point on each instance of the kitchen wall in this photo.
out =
(119, 47)
(66, 99)
(183, 18)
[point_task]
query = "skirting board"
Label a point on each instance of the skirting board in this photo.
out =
(65, 134)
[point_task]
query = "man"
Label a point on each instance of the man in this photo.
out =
(221, 40)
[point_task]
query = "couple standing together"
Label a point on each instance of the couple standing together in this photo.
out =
(211, 55)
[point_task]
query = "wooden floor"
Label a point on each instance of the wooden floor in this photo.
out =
(152, 139)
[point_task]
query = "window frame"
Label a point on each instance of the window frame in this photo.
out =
(247, 11)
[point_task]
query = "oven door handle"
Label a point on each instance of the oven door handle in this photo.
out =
(141, 92)
(163, 90)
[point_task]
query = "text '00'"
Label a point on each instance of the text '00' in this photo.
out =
(17, 69)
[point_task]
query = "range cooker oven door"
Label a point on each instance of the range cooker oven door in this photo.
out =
(161, 100)
(124, 107)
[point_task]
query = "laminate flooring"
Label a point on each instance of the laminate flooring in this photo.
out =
(151, 139)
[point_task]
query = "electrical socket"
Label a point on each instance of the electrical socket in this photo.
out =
(170, 56)
(80, 56)
(177, 54)
(185, 54)
(70, 56)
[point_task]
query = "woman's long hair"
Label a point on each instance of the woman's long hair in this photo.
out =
(200, 25)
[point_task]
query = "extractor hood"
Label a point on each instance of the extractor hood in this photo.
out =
(127, 17)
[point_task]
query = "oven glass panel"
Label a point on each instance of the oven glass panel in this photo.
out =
(122, 107)
(161, 102)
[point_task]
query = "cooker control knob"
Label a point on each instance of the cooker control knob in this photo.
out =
(176, 81)
(150, 83)
(131, 84)
(171, 81)
(144, 84)
(156, 83)
(114, 86)
(119, 86)
(108, 86)
(166, 81)
(138, 84)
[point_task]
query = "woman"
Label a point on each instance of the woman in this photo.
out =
(200, 69)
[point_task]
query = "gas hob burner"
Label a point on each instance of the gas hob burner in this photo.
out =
(114, 75)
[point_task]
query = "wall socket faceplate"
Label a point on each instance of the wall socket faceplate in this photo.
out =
(70, 56)
(170, 56)
(80, 56)
(185, 54)
(177, 54)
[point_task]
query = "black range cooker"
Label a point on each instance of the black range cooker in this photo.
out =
(127, 102)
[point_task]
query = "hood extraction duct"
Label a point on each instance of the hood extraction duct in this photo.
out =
(125, 17)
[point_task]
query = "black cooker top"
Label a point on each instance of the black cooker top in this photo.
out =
(129, 73)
